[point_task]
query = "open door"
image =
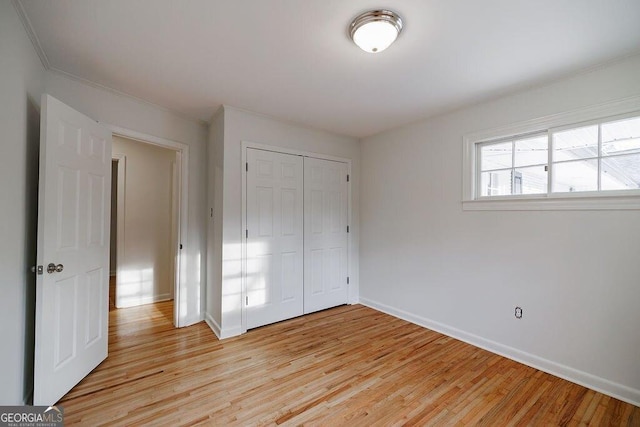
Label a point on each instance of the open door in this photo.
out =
(73, 250)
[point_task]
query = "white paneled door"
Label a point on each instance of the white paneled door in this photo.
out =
(274, 236)
(73, 250)
(325, 233)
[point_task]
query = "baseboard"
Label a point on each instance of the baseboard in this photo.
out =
(213, 325)
(142, 301)
(190, 321)
(602, 385)
(230, 332)
(220, 332)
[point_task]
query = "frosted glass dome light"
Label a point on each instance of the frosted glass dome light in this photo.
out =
(374, 31)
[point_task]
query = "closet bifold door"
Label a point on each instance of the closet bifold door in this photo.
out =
(325, 234)
(274, 209)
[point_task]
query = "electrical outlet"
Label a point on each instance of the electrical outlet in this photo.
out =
(518, 313)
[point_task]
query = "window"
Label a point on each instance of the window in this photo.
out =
(592, 164)
(518, 166)
(599, 157)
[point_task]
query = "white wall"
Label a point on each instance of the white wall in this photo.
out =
(575, 274)
(20, 90)
(125, 112)
(242, 126)
(146, 266)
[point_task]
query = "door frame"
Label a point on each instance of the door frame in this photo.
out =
(182, 172)
(243, 241)
(120, 208)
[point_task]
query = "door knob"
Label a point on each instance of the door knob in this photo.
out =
(52, 268)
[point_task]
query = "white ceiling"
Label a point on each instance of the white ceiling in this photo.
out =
(292, 59)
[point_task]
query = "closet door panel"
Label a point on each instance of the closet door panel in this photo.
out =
(274, 280)
(326, 238)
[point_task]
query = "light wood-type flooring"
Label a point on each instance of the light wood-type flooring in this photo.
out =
(350, 365)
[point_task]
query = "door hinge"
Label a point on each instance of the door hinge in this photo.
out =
(246, 166)
(180, 246)
(347, 280)
(246, 234)
(347, 228)
(211, 212)
(347, 178)
(246, 300)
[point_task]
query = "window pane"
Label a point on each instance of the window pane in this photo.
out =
(531, 180)
(496, 156)
(581, 175)
(497, 183)
(575, 144)
(621, 137)
(621, 172)
(531, 151)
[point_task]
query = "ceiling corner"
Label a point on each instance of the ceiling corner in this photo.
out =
(26, 23)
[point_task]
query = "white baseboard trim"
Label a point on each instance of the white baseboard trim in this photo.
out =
(220, 332)
(188, 321)
(602, 385)
(230, 332)
(134, 302)
(213, 325)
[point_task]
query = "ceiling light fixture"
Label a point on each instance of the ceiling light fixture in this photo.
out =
(374, 31)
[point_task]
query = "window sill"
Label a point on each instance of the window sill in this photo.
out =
(555, 203)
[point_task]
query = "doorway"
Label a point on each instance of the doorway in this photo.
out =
(147, 204)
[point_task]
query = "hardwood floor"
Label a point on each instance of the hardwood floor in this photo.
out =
(350, 365)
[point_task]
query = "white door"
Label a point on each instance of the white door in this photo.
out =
(325, 234)
(73, 237)
(274, 237)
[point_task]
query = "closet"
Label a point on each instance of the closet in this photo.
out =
(296, 235)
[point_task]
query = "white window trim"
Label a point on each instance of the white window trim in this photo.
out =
(597, 200)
